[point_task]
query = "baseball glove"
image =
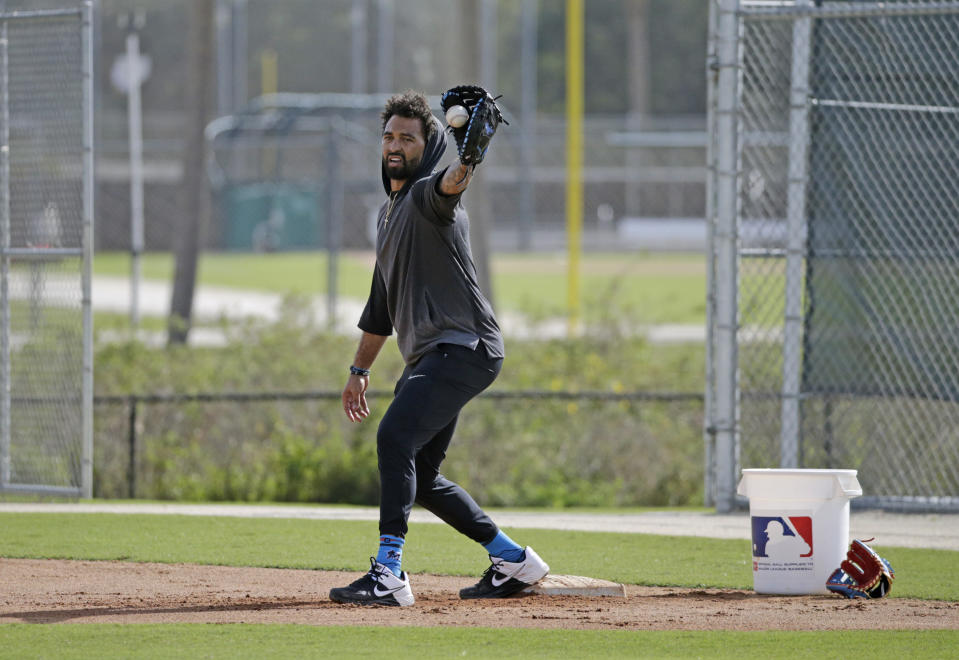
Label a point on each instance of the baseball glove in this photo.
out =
(862, 574)
(473, 137)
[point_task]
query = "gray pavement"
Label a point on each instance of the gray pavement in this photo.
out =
(938, 531)
(212, 303)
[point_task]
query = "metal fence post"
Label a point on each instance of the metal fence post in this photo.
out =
(5, 372)
(527, 147)
(727, 258)
(385, 39)
(709, 395)
(790, 429)
(132, 442)
(334, 205)
(359, 41)
(86, 462)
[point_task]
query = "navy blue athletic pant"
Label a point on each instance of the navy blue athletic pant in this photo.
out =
(415, 432)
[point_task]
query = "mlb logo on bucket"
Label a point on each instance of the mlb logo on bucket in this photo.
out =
(782, 538)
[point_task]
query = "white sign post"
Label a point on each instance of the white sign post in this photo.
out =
(128, 75)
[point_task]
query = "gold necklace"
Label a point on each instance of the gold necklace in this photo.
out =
(389, 209)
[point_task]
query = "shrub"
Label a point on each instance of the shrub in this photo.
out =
(508, 451)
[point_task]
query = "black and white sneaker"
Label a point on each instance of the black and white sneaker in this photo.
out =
(504, 578)
(378, 587)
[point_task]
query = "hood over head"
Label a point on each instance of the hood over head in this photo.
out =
(432, 153)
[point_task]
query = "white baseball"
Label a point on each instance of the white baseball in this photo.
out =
(457, 115)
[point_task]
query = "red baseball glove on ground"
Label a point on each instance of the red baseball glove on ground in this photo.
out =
(862, 574)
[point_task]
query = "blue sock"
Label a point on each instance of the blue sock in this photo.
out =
(505, 548)
(391, 553)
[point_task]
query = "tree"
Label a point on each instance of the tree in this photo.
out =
(638, 56)
(637, 12)
(199, 102)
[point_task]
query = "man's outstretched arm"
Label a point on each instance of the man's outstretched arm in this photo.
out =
(455, 179)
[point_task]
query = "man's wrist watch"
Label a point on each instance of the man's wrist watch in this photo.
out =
(356, 371)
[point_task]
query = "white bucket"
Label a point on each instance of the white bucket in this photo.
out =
(800, 526)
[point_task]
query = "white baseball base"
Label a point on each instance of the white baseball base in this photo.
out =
(576, 585)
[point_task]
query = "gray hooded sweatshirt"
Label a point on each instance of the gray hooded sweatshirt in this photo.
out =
(424, 282)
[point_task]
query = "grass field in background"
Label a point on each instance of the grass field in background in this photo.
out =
(651, 288)
(345, 545)
(239, 641)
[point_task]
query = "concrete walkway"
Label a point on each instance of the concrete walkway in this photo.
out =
(211, 304)
(112, 294)
(939, 531)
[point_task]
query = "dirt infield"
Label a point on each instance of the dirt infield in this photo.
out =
(55, 591)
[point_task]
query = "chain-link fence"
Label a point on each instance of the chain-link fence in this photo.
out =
(46, 215)
(842, 178)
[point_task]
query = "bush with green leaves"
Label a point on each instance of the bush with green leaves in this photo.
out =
(508, 450)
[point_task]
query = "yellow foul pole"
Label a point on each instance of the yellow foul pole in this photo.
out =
(574, 154)
(269, 71)
(269, 81)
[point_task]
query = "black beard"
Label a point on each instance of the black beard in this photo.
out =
(402, 173)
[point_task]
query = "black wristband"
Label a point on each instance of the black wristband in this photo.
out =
(356, 371)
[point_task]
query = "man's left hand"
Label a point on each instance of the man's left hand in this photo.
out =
(473, 137)
(354, 398)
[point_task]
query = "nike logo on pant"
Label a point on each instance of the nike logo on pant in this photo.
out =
(416, 376)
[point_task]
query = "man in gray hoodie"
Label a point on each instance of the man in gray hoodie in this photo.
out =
(424, 287)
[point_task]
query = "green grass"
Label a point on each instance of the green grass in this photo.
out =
(691, 562)
(19, 498)
(652, 288)
(65, 642)
(344, 545)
